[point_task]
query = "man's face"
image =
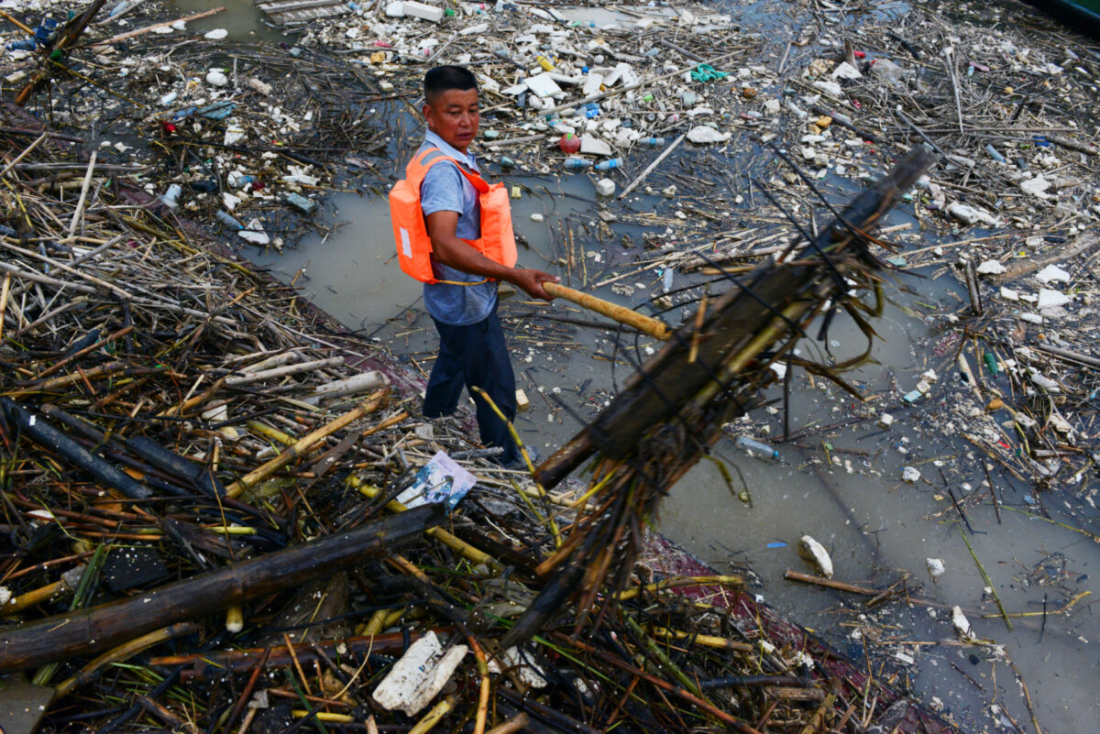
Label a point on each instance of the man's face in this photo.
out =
(453, 116)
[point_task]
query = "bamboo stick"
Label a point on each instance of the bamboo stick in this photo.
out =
(123, 652)
(83, 194)
(149, 29)
(4, 291)
(653, 327)
(305, 444)
(649, 169)
(285, 371)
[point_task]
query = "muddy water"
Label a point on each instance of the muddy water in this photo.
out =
(875, 526)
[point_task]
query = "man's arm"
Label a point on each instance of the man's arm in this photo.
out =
(451, 251)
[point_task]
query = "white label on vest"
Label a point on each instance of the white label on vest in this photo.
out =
(406, 246)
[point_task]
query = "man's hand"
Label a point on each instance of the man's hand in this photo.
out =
(532, 280)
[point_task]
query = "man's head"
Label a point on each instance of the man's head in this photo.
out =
(451, 105)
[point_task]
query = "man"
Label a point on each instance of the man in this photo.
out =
(463, 300)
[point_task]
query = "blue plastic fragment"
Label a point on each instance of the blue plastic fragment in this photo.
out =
(777, 544)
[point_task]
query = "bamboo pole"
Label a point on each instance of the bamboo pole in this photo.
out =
(649, 169)
(83, 195)
(4, 291)
(147, 29)
(655, 328)
(123, 652)
(305, 444)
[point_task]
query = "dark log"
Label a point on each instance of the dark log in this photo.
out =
(666, 382)
(108, 625)
(58, 443)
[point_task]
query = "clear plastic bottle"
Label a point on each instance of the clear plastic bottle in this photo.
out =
(652, 142)
(608, 165)
(574, 164)
(757, 447)
(228, 220)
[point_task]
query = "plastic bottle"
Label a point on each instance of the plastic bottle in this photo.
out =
(121, 7)
(652, 142)
(228, 220)
(608, 165)
(751, 444)
(994, 152)
(46, 33)
(545, 63)
(577, 163)
(238, 180)
(23, 44)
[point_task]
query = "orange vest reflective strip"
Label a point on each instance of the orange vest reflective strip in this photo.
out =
(414, 246)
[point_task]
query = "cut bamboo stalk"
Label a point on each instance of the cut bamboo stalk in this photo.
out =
(518, 722)
(305, 444)
(88, 673)
(148, 29)
(4, 291)
(649, 169)
(40, 138)
(348, 386)
(653, 327)
(285, 371)
(83, 195)
(434, 716)
(79, 633)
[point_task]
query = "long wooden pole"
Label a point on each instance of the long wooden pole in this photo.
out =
(655, 328)
(108, 625)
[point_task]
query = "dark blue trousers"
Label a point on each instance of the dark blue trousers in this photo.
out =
(475, 356)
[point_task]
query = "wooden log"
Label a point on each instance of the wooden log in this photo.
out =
(88, 631)
(59, 444)
(655, 328)
(668, 380)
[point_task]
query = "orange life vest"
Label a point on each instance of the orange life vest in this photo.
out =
(414, 247)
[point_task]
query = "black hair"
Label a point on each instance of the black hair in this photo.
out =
(445, 78)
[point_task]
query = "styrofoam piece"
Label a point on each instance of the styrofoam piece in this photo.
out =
(703, 134)
(1052, 273)
(1050, 299)
(935, 566)
(592, 84)
(419, 675)
(961, 623)
(591, 145)
(543, 85)
(255, 233)
(422, 11)
(521, 665)
(815, 553)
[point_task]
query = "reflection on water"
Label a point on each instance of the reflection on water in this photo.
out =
(241, 18)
